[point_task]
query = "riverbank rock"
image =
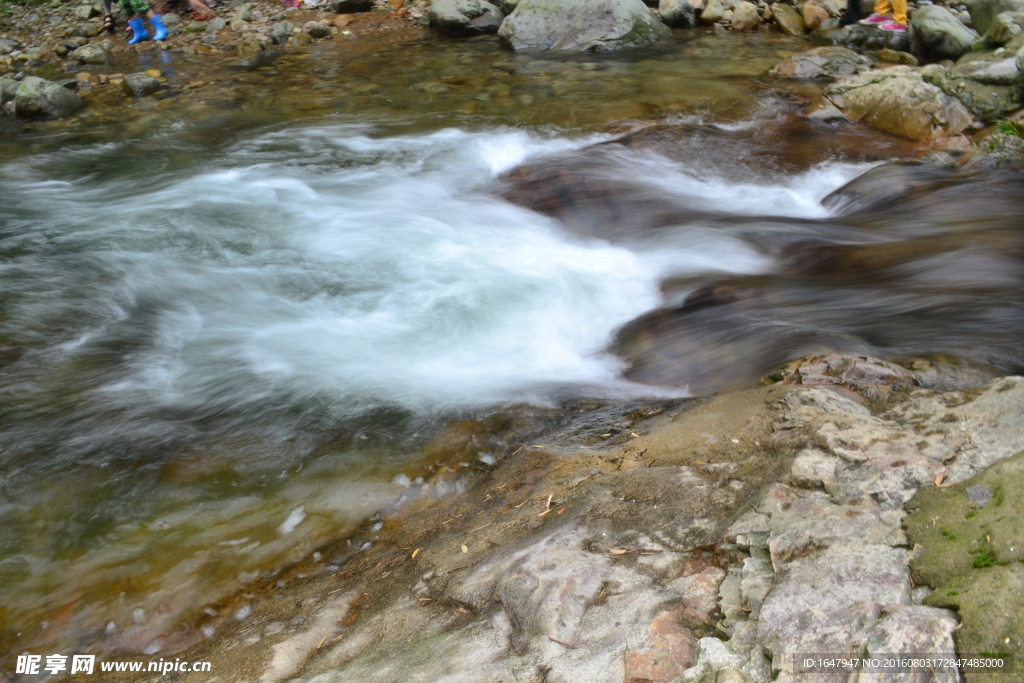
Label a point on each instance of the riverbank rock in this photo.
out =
(140, 84)
(899, 101)
(597, 25)
(983, 12)
(692, 542)
(38, 97)
(745, 17)
(678, 13)
(789, 20)
(942, 34)
(464, 17)
(972, 84)
(822, 63)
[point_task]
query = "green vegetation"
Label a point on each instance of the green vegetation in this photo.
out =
(1011, 127)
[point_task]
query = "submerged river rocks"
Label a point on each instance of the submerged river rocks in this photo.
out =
(704, 541)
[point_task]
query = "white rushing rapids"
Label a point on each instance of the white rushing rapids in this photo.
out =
(194, 353)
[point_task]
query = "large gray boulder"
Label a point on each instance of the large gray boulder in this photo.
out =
(678, 13)
(941, 33)
(1020, 60)
(464, 17)
(983, 12)
(984, 100)
(822, 63)
(598, 25)
(38, 97)
(899, 101)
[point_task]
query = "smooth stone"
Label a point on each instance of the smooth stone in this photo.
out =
(984, 12)
(745, 17)
(139, 84)
(713, 12)
(598, 25)
(941, 33)
(789, 20)
(91, 54)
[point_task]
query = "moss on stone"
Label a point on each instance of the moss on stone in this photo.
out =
(973, 556)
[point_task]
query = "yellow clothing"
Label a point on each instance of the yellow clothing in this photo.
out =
(897, 8)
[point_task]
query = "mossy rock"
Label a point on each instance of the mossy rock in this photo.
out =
(969, 547)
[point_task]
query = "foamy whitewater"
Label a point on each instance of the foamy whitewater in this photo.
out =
(208, 369)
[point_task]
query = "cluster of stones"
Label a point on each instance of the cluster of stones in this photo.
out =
(35, 39)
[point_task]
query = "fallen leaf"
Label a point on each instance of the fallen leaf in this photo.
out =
(464, 549)
(940, 477)
(415, 553)
(617, 551)
(560, 511)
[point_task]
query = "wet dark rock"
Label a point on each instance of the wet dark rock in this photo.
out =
(597, 25)
(91, 54)
(983, 12)
(257, 60)
(464, 17)
(37, 97)
(887, 184)
(678, 13)
(942, 34)
(351, 6)
(140, 84)
(823, 63)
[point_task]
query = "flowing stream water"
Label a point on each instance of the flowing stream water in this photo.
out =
(216, 357)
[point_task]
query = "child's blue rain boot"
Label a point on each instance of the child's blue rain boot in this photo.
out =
(160, 32)
(138, 29)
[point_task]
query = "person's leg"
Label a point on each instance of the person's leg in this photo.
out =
(883, 8)
(159, 30)
(899, 11)
(134, 9)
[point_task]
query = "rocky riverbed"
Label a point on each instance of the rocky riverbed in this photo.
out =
(699, 541)
(676, 539)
